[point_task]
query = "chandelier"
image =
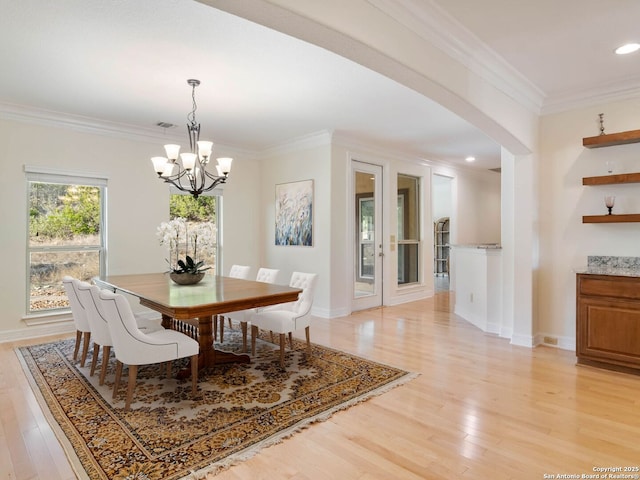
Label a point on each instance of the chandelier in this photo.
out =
(189, 173)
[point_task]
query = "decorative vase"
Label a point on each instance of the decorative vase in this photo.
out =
(186, 278)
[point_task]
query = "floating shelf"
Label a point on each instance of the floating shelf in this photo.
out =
(611, 179)
(611, 139)
(625, 218)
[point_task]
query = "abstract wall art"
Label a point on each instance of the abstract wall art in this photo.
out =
(294, 213)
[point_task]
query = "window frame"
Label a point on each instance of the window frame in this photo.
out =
(35, 174)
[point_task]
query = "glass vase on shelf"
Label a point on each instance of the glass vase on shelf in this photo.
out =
(609, 202)
(610, 165)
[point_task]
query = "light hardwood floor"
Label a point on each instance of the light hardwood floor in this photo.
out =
(480, 409)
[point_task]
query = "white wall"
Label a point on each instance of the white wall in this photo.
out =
(442, 196)
(296, 163)
(477, 208)
(565, 240)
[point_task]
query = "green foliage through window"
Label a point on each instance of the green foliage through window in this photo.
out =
(63, 211)
(201, 209)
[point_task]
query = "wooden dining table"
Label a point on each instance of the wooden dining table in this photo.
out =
(198, 304)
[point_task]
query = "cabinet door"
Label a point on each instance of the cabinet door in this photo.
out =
(609, 330)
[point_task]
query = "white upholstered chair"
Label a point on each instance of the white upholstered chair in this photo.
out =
(236, 271)
(266, 275)
(98, 324)
(287, 317)
(133, 347)
(89, 295)
(83, 330)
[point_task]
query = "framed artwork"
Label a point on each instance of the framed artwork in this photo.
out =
(294, 213)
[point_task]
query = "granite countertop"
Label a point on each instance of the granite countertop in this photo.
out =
(493, 246)
(604, 270)
(616, 266)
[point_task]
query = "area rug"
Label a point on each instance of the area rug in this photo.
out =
(168, 434)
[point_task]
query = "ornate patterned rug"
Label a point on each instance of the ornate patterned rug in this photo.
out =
(167, 434)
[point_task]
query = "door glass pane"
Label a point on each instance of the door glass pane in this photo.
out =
(408, 211)
(365, 233)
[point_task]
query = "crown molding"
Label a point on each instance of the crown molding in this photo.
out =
(429, 21)
(573, 100)
(77, 123)
(304, 142)
(50, 118)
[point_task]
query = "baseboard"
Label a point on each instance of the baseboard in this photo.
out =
(522, 340)
(45, 330)
(552, 340)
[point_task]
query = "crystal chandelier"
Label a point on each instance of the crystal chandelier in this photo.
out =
(189, 174)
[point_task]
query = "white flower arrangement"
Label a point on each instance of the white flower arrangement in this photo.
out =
(177, 234)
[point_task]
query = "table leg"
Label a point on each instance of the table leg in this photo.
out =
(209, 355)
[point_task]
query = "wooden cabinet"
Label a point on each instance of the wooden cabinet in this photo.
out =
(609, 140)
(608, 321)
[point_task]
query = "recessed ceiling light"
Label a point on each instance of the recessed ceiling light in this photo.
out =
(628, 48)
(470, 159)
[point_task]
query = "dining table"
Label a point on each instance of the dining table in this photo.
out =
(195, 306)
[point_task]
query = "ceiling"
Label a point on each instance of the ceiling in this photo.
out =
(126, 62)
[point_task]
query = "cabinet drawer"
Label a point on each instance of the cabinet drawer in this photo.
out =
(609, 286)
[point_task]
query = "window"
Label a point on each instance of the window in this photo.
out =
(408, 229)
(66, 234)
(204, 209)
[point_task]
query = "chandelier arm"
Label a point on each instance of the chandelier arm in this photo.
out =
(216, 181)
(176, 180)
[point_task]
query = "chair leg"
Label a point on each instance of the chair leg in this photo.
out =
(230, 325)
(194, 375)
(169, 369)
(243, 327)
(106, 351)
(215, 327)
(116, 383)
(221, 329)
(254, 334)
(290, 340)
(133, 374)
(306, 331)
(77, 346)
(85, 347)
(282, 342)
(94, 358)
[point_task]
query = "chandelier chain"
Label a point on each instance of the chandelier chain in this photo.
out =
(192, 116)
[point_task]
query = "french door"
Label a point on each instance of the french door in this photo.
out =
(367, 235)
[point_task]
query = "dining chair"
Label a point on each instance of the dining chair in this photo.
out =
(236, 271)
(98, 325)
(133, 347)
(83, 329)
(266, 275)
(287, 317)
(90, 297)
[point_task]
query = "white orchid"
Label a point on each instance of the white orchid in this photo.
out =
(200, 235)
